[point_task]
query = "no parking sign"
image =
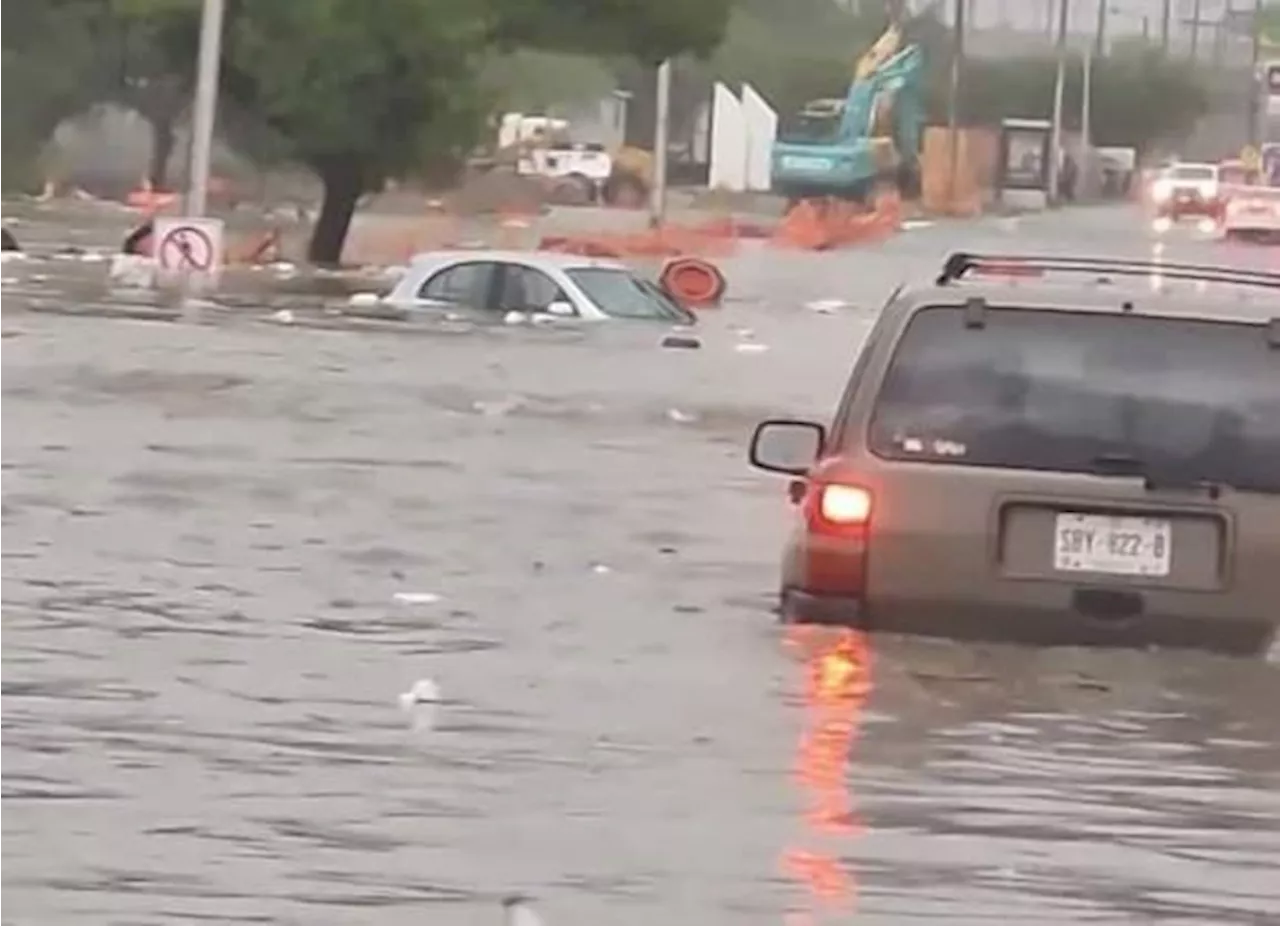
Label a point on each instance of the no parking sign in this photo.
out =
(189, 249)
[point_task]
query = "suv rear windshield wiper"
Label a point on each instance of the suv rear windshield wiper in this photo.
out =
(1153, 478)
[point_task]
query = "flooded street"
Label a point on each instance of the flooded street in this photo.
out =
(230, 547)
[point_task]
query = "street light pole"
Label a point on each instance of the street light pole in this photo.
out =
(1100, 38)
(662, 118)
(1195, 31)
(1164, 26)
(1086, 116)
(1255, 79)
(953, 103)
(205, 108)
(1055, 132)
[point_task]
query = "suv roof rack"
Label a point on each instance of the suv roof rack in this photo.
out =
(960, 263)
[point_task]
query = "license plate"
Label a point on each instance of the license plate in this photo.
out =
(1113, 545)
(794, 162)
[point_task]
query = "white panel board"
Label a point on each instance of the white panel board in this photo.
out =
(761, 126)
(728, 167)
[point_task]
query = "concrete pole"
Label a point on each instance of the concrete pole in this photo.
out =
(1195, 31)
(1254, 109)
(1055, 131)
(953, 103)
(662, 118)
(1165, 13)
(1100, 36)
(206, 106)
(1085, 173)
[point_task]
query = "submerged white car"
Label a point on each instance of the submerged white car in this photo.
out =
(534, 283)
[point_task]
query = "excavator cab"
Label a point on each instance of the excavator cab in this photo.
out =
(843, 148)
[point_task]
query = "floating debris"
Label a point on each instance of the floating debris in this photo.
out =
(416, 597)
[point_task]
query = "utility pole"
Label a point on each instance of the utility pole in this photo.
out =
(205, 107)
(1055, 133)
(1085, 173)
(953, 102)
(1255, 79)
(662, 118)
(1195, 30)
(1100, 37)
(1164, 27)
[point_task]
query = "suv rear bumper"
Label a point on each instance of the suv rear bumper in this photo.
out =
(1031, 626)
(800, 607)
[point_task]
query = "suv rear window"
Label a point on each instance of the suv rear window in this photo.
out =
(1194, 173)
(1078, 392)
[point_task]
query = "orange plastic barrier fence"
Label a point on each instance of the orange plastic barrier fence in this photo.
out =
(820, 225)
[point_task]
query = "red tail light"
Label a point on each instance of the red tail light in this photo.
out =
(838, 515)
(843, 505)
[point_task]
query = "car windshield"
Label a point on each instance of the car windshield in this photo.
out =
(1074, 392)
(1193, 172)
(624, 295)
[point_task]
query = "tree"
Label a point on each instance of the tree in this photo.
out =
(364, 91)
(50, 57)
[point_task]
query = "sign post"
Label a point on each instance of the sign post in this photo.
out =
(188, 252)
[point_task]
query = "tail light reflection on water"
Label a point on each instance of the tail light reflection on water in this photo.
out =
(837, 682)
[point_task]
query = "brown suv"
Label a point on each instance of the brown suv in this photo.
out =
(1084, 463)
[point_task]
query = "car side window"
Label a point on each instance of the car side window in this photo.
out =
(870, 346)
(461, 284)
(525, 289)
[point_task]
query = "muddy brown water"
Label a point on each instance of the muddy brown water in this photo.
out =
(207, 524)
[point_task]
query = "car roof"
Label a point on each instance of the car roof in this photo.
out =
(543, 259)
(1218, 302)
(1196, 164)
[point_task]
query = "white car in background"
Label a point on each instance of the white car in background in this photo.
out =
(534, 284)
(1252, 211)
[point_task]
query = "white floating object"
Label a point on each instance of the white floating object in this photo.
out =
(750, 347)
(514, 318)
(136, 271)
(364, 299)
(422, 703)
(284, 316)
(518, 911)
(912, 224)
(600, 569)
(682, 417)
(93, 257)
(826, 306)
(284, 268)
(6, 256)
(416, 597)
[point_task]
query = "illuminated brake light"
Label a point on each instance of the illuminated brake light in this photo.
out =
(842, 504)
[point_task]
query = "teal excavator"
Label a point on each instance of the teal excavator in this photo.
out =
(845, 148)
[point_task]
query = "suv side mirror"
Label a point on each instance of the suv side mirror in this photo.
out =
(561, 309)
(786, 446)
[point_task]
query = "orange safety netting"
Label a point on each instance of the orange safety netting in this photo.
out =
(820, 225)
(665, 241)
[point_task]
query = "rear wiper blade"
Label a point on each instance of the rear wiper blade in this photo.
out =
(1153, 478)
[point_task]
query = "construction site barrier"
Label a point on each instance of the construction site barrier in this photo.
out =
(693, 282)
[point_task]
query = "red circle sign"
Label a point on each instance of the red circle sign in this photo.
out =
(186, 248)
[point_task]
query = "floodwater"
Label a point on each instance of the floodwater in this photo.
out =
(231, 544)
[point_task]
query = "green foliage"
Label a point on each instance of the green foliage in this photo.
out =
(805, 49)
(647, 30)
(368, 88)
(1138, 95)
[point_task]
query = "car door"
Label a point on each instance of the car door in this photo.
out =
(463, 285)
(521, 288)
